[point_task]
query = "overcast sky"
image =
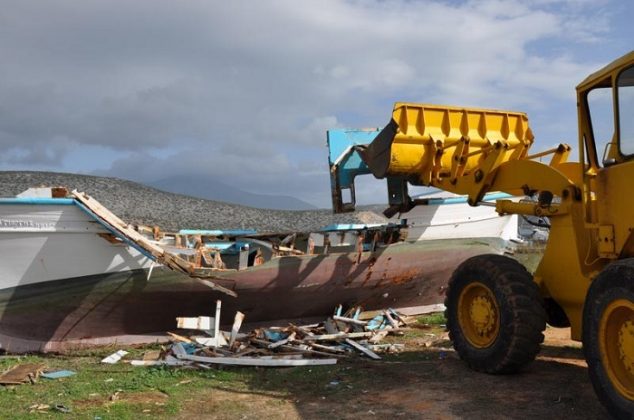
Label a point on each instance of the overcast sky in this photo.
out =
(244, 90)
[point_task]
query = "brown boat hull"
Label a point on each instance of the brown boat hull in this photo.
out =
(127, 307)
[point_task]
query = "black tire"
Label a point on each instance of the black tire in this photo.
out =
(522, 318)
(611, 295)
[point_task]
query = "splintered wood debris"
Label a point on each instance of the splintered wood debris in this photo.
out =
(342, 335)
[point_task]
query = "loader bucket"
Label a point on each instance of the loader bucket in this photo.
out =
(451, 148)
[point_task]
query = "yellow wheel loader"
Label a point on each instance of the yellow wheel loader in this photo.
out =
(496, 310)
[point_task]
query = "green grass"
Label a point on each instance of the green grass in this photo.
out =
(432, 319)
(90, 392)
(123, 391)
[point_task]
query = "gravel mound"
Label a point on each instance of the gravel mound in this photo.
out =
(139, 204)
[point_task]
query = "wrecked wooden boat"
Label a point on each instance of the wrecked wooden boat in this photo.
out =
(74, 274)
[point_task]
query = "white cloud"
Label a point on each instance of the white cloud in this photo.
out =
(222, 86)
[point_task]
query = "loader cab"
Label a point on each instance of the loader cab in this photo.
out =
(605, 102)
(606, 119)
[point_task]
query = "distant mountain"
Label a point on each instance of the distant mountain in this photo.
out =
(211, 189)
(140, 204)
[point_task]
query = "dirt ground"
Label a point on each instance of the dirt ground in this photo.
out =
(422, 383)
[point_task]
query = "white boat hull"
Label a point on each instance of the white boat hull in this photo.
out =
(40, 243)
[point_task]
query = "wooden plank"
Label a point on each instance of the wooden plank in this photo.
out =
(116, 223)
(296, 348)
(194, 323)
(114, 357)
(380, 335)
(237, 322)
(349, 320)
(171, 261)
(390, 320)
(179, 337)
(288, 339)
(216, 341)
(20, 374)
(290, 250)
(339, 336)
(258, 361)
(363, 349)
(422, 310)
(326, 348)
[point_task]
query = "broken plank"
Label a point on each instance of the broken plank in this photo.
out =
(179, 337)
(114, 357)
(326, 348)
(390, 320)
(194, 323)
(398, 316)
(257, 361)
(363, 349)
(237, 322)
(94, 207)
(288, 339)
(21, 373)
(217, 341)
(349, 320)
(296, 348)
(422, 310)
(338, 336)
(380, 335)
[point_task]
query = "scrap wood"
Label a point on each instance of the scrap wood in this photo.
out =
(114, 357)
(257, 361)
(237, 322)
(349, 320)
(387, 348)
(303, 329)
(194, 323)
(422, 310)
(152, 355)
(20, 374)
(363, 349)
(331, 326)
(247, 351)
(217, 341)
(140, 242)
(167, 362)
(306, 350)
(326, 348)
(380, 335)
(289, 250)
(398, 316)
(390, 320)
(39, 408)
(217, 352)
(338, 336)
(288, 339)
(179, 337)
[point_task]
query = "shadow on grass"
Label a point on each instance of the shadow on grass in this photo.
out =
(427, 383)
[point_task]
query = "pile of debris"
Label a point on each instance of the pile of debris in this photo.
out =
(342, 335)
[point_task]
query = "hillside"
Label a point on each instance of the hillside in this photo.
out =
(139, 204)
(209, 188)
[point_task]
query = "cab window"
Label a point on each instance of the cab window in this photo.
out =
(625, 84)
(602, 120)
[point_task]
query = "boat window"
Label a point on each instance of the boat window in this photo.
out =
(625, 94)
(602, 120)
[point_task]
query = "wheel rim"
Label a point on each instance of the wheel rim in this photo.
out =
(616, 341)
(478, 314)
